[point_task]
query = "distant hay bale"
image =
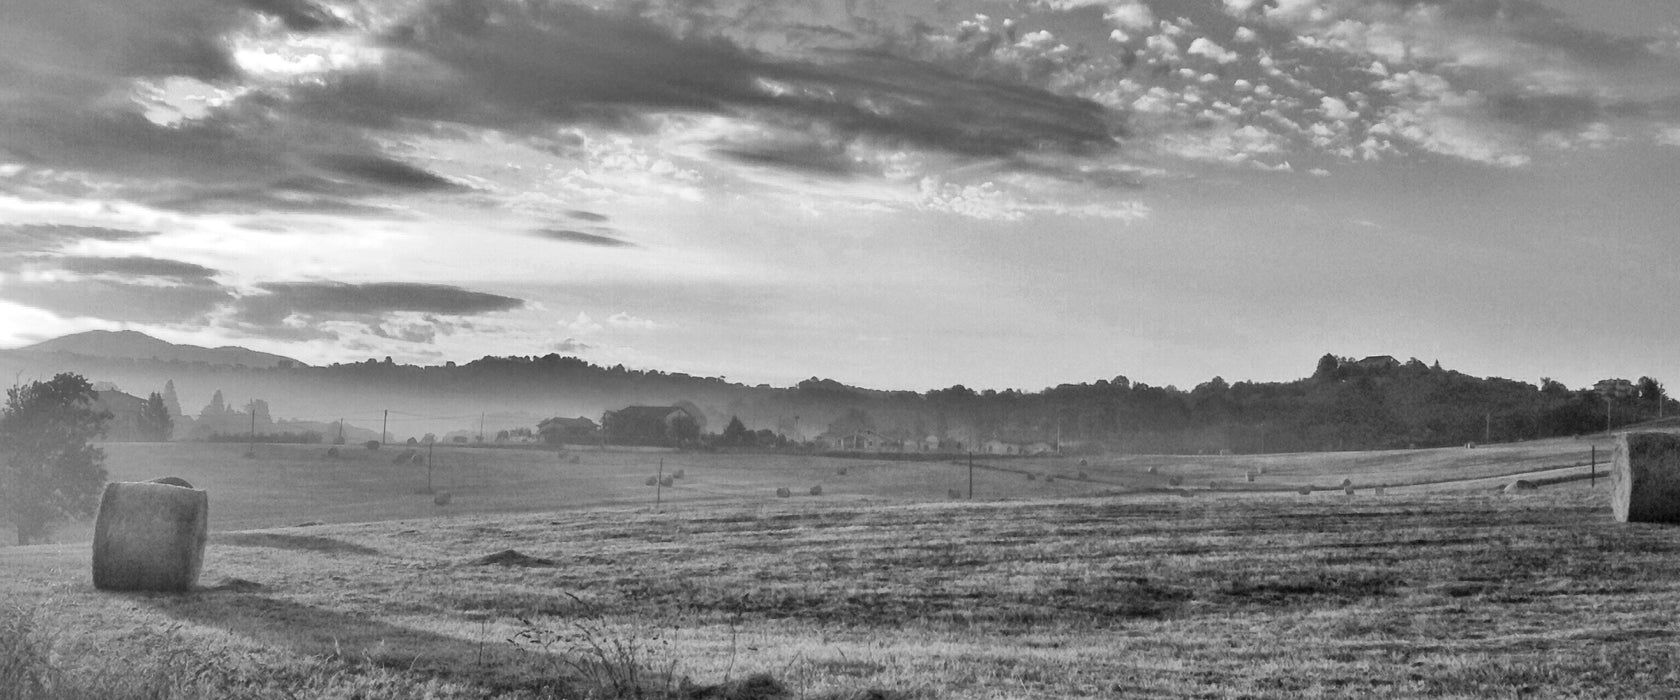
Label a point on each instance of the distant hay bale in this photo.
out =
(1174, 480)
(1250, 477)
(576, 459)
(1645, 478)
(1469, 445)
(1153, 470)
(1347, 490)
(784, 492)
(441, 499)
(678, 474)
(1031, 476)
(1084, 463)
(816, 490)
(332, 453)
(841, 471)
(1520, 485)
(1378, 491)
(149, 537)
(371, 445)
(1347, 483)
(1084, 477)
(953, 493)
(1049, 479)
(404, 457)
(668, 481)
(172, 481)
(1304, 491)
(652, 481)
(1186, 493)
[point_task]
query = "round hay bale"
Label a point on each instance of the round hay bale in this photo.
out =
(1347, 490)
(149, 537)
(816, 490)
(1084, 477)
(953, 493)
(784, 492)
(1469, 445)
(1250, 477)
(1520, 485)
(1347, 483)
(1304, 491)
(442, 499)
(1031, 476)
(1084, 463)
(172, 481)
(1153, 470)
(1174, 480)
(1187, 493)
(332, 453)
(668, 481)
(1049, 479)
(1378, 491)
(678, 474)
(841, 471)
(576, 459)
(1645, 478)
(652, 481)
(372, 445)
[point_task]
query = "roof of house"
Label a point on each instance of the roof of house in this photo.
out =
(651, 412)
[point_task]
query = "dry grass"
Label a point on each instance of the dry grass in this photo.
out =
(1409, 596)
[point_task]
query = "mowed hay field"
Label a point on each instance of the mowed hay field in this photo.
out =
(1432, 595)
(882, 584)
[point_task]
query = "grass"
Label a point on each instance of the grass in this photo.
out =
(1425, 595)
(882, 587)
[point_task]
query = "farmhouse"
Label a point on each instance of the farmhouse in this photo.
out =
(124, 425)
(560, 431)
(651, 425)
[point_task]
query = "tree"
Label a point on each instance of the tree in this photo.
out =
(216, 406)
(735, 434)
(155, 423)
(50, 469)
(170, 400)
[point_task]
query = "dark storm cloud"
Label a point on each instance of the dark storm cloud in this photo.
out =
(586, 216)
(299, 15)
(568, 236)
(119, 301)
(811, 158)
(37, 238)
(1547, 112)
(385, 171)
(339, 300)
(520, 66)
(85, 42)
(137, 266)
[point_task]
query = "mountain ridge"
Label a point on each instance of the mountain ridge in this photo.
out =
(134, 345)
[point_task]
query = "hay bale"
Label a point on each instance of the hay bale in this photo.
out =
(1031, 476)
(678, 474)
(1347, 490)
(816, 490)
(1153, 470)
(1378, 491)
(332, 453)
(953, 493)
(1175, 480)
(652, 481)
(668, 481)
(1250, 477)
(1084, 477)
(784, 492)
(441, 499)
(1645, 478)
(841, 471)
(1347, 483)
(1520, 485)
(1304, 491)
(149, 537)
(172, 481)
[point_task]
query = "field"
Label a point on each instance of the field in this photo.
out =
(880, 587)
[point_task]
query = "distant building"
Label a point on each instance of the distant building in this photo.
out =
(651, 425)
(1378, 362)
(124, 425)
(560, 431)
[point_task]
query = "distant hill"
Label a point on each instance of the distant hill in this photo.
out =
(133, 345)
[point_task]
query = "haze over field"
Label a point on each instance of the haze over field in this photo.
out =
(900, 195)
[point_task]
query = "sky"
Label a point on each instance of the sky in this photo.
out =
(904, 194)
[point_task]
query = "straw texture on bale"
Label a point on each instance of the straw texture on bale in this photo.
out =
(149, 537)
(1645, 478)
(172, 481)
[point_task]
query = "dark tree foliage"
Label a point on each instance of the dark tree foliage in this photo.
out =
(50, 470)
(156, 425)
(735, 434)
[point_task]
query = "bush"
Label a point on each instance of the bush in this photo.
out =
(371, 445)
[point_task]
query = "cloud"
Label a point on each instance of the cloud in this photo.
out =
(384, 171)
(571, 345)
(624, 320)
(582, 325)
(1204, 47)
(36, 238)
(281, 300)
(1669, 136)
(587, 216)
(118, 301)
(579, 237)
(137, 266)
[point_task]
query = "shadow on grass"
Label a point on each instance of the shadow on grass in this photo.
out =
(310, 543)
(306, 630)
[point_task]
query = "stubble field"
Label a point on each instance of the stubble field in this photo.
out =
(891, 589)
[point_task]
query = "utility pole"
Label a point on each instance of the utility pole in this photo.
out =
(970, 476)
(659, 484)
(429, 446)
(481, 426)
(340, 432)
(1607, 403)
(1487, 433)
(253, 427)
(1593, 475)
(382, 426)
